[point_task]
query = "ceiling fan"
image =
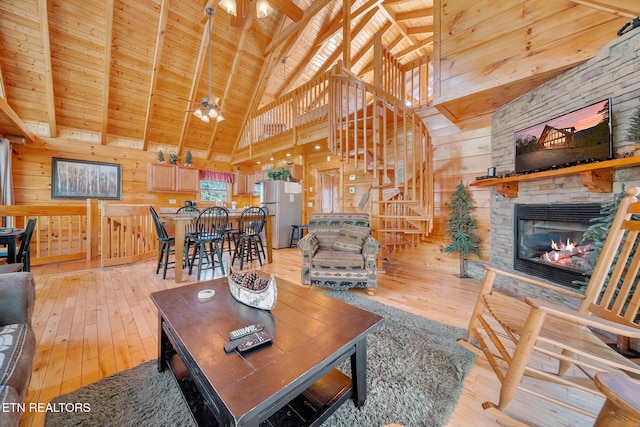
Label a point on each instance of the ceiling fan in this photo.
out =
(264, 8)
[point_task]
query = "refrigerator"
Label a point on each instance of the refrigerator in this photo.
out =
(283, 199)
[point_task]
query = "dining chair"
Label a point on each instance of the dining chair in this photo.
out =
(189, 232)
(248, 242)
(165, 241)
(209, 239)
(23, 254)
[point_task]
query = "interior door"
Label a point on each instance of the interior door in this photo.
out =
(329, 193)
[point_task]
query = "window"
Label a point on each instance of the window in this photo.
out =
(213, 191)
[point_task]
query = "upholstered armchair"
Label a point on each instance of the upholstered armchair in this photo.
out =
(339, 252)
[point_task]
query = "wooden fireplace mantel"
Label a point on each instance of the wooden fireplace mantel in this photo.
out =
(597, 177)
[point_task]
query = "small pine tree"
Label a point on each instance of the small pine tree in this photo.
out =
(160, 156)
(461, 226)
(188, 158)
(633, 134)
(597, 234)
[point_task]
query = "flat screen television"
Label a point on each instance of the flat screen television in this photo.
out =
(581, 136)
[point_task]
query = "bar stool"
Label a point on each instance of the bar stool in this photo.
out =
(300, 231)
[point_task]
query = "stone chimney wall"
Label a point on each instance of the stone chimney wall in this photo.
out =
(614, 73)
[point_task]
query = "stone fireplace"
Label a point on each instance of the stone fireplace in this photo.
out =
(612, 73)
(549, 241)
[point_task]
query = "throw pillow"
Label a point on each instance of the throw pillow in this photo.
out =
(350, 238)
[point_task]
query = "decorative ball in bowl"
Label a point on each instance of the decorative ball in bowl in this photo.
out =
(253, 290)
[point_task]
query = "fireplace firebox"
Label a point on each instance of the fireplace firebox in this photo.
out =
(549, 241)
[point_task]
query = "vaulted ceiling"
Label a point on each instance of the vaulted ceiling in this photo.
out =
(120, 72)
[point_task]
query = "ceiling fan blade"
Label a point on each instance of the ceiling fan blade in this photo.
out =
(289, 8)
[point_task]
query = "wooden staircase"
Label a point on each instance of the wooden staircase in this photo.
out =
(373, 129)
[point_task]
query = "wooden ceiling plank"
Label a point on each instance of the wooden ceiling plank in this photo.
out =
(157, 58)
(106, 81)
(624, 8)
(369, 45)
(49, 98)
(284, 35)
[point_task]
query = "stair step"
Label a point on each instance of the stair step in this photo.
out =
(400, 202)
(407, 217)
(400, 230)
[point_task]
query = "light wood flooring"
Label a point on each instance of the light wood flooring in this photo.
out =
(92, 322)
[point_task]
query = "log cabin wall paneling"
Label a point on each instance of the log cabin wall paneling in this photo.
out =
(32, 171)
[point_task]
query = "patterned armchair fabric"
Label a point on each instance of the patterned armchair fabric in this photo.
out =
(339, 252)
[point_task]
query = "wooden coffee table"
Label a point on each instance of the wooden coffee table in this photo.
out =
(292, 381)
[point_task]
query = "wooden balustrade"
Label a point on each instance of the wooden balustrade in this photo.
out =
(62, 233)
(128, 234)
(117, 233)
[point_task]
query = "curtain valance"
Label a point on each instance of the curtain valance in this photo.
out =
(216, 176)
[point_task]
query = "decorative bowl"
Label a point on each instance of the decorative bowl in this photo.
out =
(253, 290)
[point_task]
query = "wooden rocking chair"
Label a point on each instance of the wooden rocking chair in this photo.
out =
(515, 335)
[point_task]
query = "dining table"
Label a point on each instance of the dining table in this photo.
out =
(183, 219)
(10, 237)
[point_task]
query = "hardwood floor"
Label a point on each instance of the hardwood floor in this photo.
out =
(92, 322)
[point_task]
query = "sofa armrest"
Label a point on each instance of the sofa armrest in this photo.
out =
(17, 298)
(308, 245)
(370, 249)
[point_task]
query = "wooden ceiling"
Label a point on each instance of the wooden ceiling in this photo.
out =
(118, 72)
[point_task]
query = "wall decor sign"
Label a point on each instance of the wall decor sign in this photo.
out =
(81, 179)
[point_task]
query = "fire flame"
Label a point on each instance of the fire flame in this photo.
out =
(562, 246)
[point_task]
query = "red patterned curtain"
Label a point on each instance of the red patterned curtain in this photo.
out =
(216, 176)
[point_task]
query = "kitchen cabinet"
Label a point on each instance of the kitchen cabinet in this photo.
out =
(243, 184)
(172, 178)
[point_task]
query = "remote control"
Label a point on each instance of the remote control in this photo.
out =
(242, 332)
(247, 342)
(254, 340)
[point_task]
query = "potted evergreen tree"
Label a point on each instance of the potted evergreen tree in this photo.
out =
(160, 156)
(188, 158)
(461, 227)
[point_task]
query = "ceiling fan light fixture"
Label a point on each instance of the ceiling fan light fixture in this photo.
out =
(205, 118)
(198, 113)
(263, 8)
(229, 6)
(213, 113)
(219, 118)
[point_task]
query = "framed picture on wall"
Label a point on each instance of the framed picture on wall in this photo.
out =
(81, 179)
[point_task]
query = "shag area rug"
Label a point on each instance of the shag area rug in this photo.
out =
(415, 374)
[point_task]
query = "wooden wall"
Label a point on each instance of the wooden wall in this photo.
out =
(32, 171)
(488, 52)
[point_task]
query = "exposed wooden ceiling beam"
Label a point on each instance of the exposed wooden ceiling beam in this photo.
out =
(195, 83)
(338, 51)
(400, 27)
(425, 29)
(157, 57)
(415, 14)
(49, 100)
(234, 72)
(106, 81)
(625, 8)
(369, 45)
(346, 33)
(309, 13)
(336, 23)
